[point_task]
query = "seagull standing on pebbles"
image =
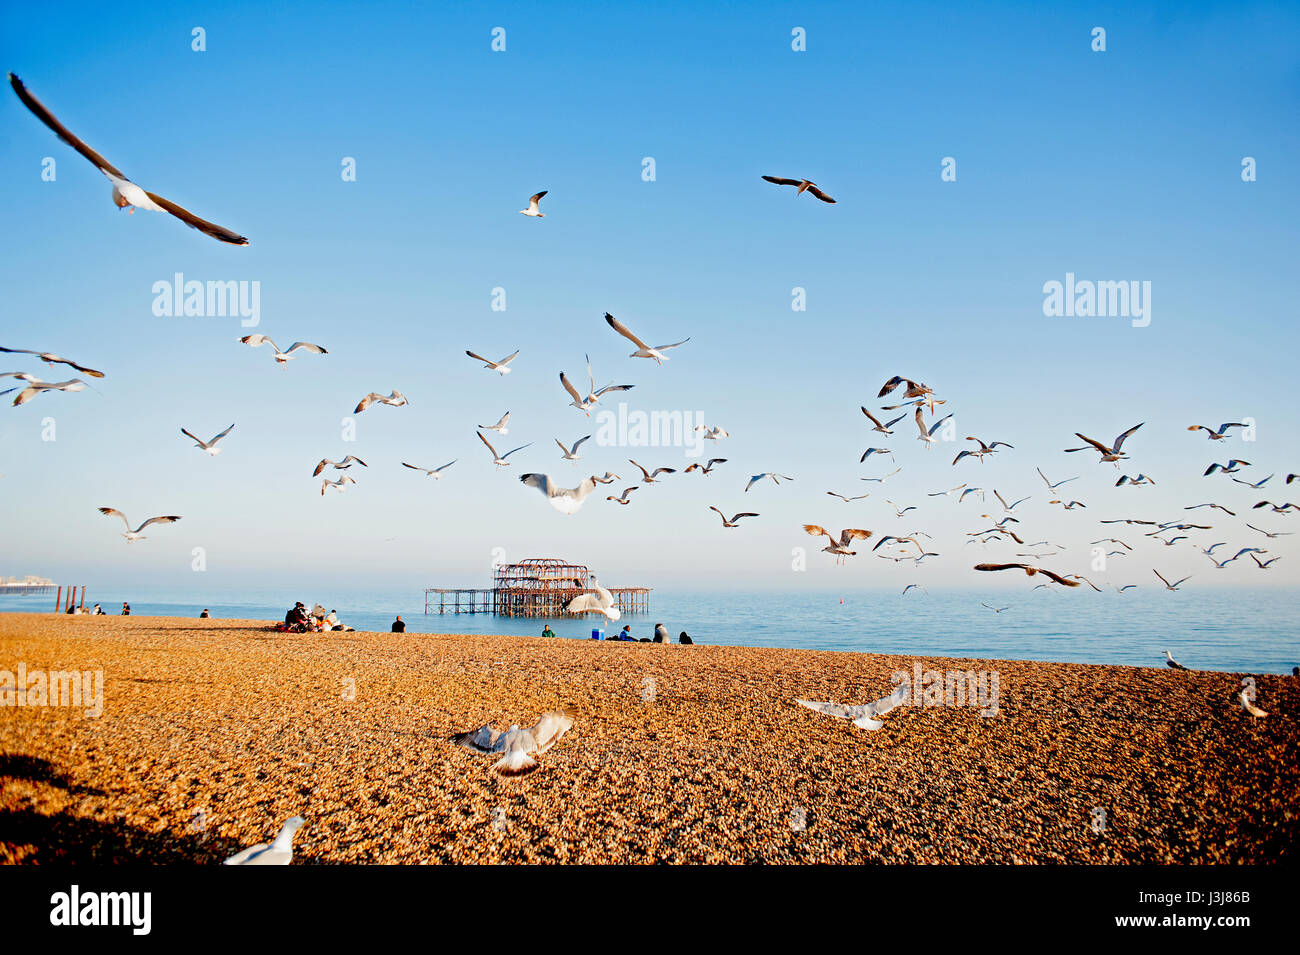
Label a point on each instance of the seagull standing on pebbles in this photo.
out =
(1172, 663)
(1248, 705)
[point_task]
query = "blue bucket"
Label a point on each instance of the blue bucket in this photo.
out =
(598, 634)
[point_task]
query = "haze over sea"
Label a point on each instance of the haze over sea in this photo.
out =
(1216, 629)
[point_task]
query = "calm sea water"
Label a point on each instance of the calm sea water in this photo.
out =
(1243, 631)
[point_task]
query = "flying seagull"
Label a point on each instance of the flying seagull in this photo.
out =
(499, 459)
(1232, 467)
(1263, 564)
(135, 535)
(1192, 507)
(343, 465)
(845, 498)
(37, 387)
(1255, 485)
(571, 454)
(208, 446)
(1135, 481)
(883, 428)
(279, 852)
(1030, 571)
(1000, 609)
(500, 367)
(910, 586)
(864, 716)
(735, 518)
(1050, 485)
(126, 194)
(839, 548)
(532, 206)
(643, 350)
(566, 500)
(776, 478)
(500, 426)
(1270, 535)
(282, 356)
(801, 186)
(622, 499)
(1108, 454)
(1221, 433)
(340, 485)
(602, 602)
(434, 473)
(870, 451)
(1168, 585)
(516, 746)
(712, 434)
(396, 399)
(594, 395)
(648, 477)
(1008, 507)
(705, 468)
(927, 434)
(52, 359)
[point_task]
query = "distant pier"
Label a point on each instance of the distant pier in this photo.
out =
(537, 587)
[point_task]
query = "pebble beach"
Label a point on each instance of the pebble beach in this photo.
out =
(213, 732)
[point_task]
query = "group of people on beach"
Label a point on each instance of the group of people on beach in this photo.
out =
(625, 635)
(301, 620)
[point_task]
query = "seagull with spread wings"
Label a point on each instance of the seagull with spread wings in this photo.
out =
(648, 477)
(601, 602)
(1168, 585)
(776, 479)
(801, 186)
(864, 716)
(208, 446)
(126, 194)
(1030, 571)
(705, 468)
(845, 498)
(516, 746)
(499, 459)
(1232, 467)
(435, 473)
(594, 395)
(396, 399)
(877, 425)
(281, 357)
(566, 500)
(1109, 454)
(343, 465)
(927, 434)
(1221, 433)
(340, 485)
(571, 454)
(623, 498)
(135, 535)
(735, 518)
(533, 201)
(52, 359)
(501, 367)
(642, 349)
(36, 387)
(838, 548)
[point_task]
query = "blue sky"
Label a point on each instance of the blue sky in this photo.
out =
(1122, 165)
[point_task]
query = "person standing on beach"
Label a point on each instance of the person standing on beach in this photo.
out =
(398, 625)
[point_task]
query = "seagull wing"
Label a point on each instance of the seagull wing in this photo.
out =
(1120, 440)
(218, 232)
(850, 534)
(306, 346)
(165, 519)
(488, 443)
(623, 330)
(513, 450)
(479, 357)
(533, 200)
(115, 512)
(568, 386)
(46, 117)
(874, 419)
(546, 732)
(257, 339)
(819, 194)
(485, 739)
(199, 440)
(782, 182)
(831, 709)
(673, 345)
(222, 434)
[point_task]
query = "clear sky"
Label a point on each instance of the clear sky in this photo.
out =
(1117, 165)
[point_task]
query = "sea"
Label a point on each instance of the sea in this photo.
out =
(1238, 631)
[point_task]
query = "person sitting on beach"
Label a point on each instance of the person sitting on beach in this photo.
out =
(332, 621)
(626, 633)
(684, 638)
(547, 631)
(126, 609)
(296, 619)
(661, 633)
(99, 611)
(205, 614)
(398, 625)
